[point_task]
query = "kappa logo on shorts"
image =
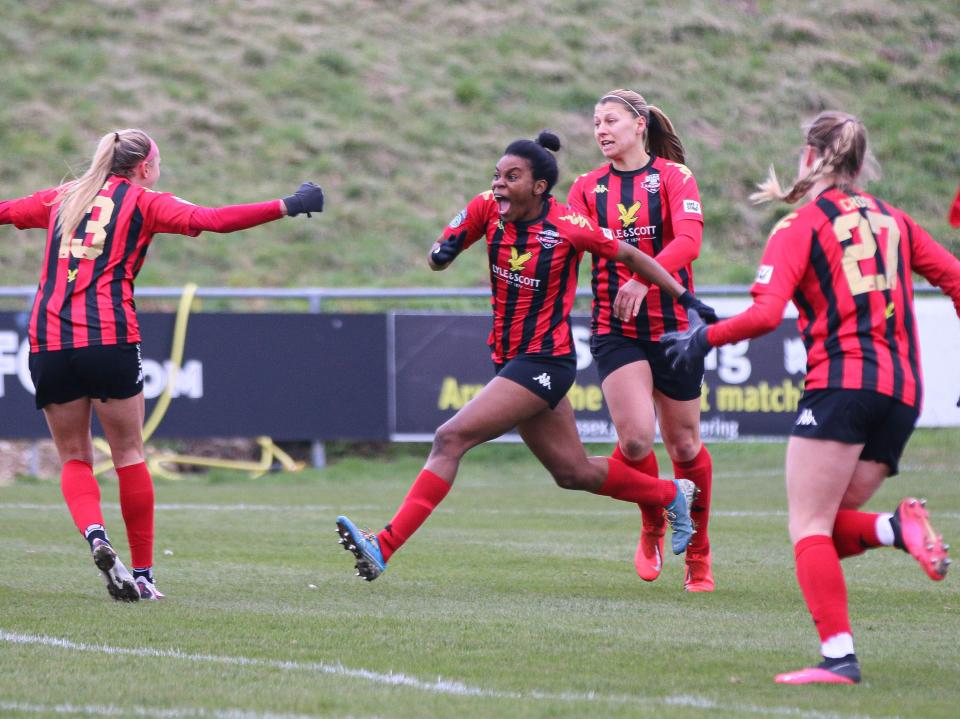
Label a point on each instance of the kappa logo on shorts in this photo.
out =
(806, 419)
(543, 379)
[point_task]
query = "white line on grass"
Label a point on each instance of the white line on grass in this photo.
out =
(100, 710)
(439, 686)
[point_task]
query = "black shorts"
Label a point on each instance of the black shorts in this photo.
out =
(858, 416)
(100, 372)
(614, 351)
(547, 377)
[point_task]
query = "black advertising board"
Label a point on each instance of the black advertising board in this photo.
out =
(374, 377)
(750, 388)
(290, 376)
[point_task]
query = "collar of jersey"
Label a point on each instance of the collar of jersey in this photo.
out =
(539, 218)
(633, 173)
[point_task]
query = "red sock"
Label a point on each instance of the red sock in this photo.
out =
(698, 470)
(855, 532)
(629, 485)
(821, 581)
(653, 519)
(427, 492)
(136, 505)
(82, 493)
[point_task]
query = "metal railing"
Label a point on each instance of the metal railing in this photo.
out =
(316, 296)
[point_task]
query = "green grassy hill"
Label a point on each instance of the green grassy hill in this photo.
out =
(400, 111)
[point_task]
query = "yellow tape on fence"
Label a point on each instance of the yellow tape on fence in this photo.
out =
(156, 462)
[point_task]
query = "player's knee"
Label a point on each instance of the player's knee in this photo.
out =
(566, 480)
(448, 441)
(682, 447)
(570, 478)
(635, 447)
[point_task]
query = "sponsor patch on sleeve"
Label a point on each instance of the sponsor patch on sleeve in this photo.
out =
(764, 274)
(692, 206)
(458, 220)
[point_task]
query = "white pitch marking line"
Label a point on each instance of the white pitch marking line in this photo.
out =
(440, 686)
(99, 710)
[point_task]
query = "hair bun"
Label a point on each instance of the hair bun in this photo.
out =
(548, 140)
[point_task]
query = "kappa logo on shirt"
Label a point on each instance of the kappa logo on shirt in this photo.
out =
(764, 274)
(543, 379)
(683, 170)
(806, 419)
(628, 216)
(577, 220)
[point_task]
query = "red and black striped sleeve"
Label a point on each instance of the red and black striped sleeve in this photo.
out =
(933, 261)
(31, 212)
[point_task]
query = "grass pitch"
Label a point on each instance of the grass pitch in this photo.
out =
(516, 599)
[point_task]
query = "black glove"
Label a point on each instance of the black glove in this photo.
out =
(446, 252)
(705, 312)
(308, 198)
(686, 348)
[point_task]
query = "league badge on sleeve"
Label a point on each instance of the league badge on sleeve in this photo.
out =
(458, 220)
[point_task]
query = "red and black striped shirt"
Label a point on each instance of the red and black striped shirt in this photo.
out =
(656, 209)
(533, 272)
(846, 262)
(85, 294)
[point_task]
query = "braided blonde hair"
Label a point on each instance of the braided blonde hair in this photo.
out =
(661, 139)
(117, 153)
(840, 140)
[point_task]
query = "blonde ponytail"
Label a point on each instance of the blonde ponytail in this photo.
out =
(840, 140)
(117, 153)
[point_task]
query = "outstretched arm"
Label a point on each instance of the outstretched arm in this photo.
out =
(308, 198)
(28, 212)
(236, 217)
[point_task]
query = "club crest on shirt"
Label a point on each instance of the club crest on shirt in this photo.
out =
(651, 183)
(458, 220)
(764, 274)
(549, 239)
